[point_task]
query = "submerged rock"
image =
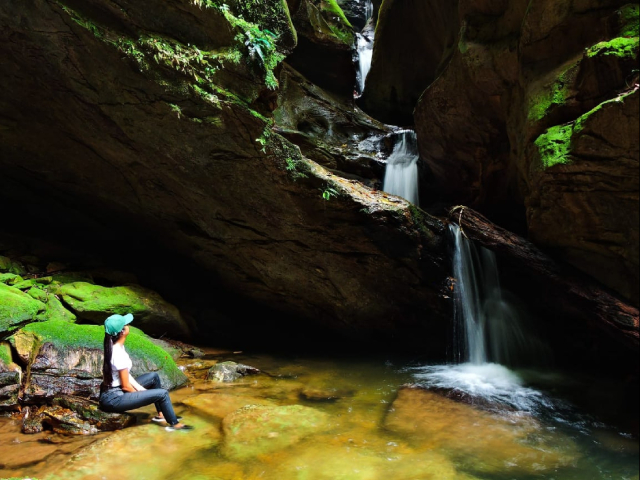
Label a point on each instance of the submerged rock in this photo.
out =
(259, 430)
(482, 441)
(219, 405)
(230, 372)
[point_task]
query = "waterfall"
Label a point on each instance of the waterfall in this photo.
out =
(489, 328)
(365, 56)
(401, 177)
(365, 48)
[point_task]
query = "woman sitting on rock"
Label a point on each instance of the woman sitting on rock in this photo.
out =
(119, 391)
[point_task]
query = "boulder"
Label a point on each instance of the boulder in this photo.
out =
(230, 372)
(66, 359)
(74, 415)
(151, 313)
(261, 430)
(480, 440)
(16, 309)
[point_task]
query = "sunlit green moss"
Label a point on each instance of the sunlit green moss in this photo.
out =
(629, 20)
(619, 47)
(5, 353)
(553, 95)
(554, 146)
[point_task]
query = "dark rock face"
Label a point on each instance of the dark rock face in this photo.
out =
(325, 40)
(329, 130)
(122, 142)
(538, 107)
(10, 379)
(414, 39)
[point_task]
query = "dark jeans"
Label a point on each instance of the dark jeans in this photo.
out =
(117, 401)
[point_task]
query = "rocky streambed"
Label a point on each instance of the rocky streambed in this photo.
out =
(345, 418)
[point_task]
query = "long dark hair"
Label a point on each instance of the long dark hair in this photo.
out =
(107, 371)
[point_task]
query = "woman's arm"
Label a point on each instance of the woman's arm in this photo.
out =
(128, 384)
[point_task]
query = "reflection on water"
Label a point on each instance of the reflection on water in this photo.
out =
(358, 423)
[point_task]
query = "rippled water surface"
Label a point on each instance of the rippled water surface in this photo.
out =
(363, 426)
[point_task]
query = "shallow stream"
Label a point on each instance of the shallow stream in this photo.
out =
(368, 428)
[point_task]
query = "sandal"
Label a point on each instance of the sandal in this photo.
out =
(178, 429)
(162, 419)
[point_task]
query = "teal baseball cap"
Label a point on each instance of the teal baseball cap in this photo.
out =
(115, 323)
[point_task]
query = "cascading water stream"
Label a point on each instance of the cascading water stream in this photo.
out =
(401, 176)
(365, 56)
(365, 48)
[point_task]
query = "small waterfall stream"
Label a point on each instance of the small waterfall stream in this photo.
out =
(401, 177)
(365, 49)
(365, 56)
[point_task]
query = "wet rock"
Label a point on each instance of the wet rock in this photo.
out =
(152, 313)
(66, 359)
(260, 430)
(10, 379)
(73, 416)
(16, 308)
(230, 372)
(328, 129)
(482, 441)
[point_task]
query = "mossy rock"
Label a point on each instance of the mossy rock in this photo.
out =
(66, 358)
(54, 309)
(10, 278)
(259, 430)
(95, 303)
(17, 308)
(9, 266)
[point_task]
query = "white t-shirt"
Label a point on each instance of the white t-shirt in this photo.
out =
(120, 360)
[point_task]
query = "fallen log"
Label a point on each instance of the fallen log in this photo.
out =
(571, 293)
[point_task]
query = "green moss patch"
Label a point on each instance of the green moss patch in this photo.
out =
(16, 308)
(54, 310)
(9, 266)
(95, 302)
(554, 146)
(620, 47)
(629, 20)
(553, 95)
(5, 354)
